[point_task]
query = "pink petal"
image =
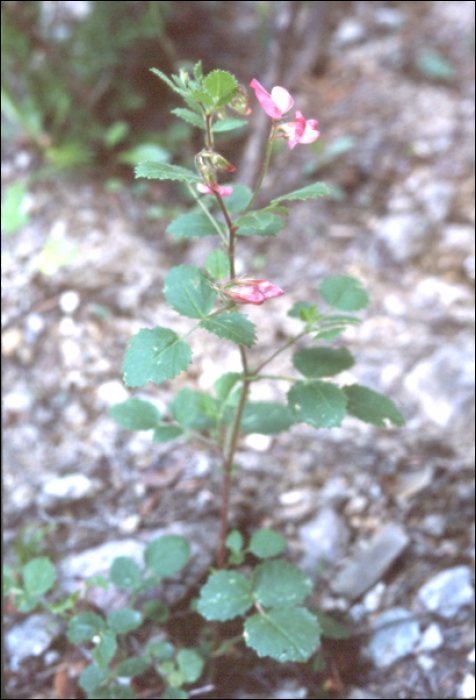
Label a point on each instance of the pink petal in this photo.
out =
(282, 99)
(265, 100)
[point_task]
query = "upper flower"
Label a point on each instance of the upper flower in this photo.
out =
(276, 104)
(214, 189)
(249, 291)
(300, 131)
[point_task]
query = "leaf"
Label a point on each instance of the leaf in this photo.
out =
(318, 189)
(305, 311)
(261, 224)
(166, 555)
(267, 543)
(135, 414)
(239, 199)
(165, 432)
(221, 86)
(91, 678)
(167, 80)
(192, 225)
(131, 667)
(371, 407)
(285, 634)
(155, 355)
(197, 71)
(190, 117)
(225, 595)
(277, 583)
(125, 573)
(188, 292)
(266, 417)
(145, 152)
(38, 576)
(344, 293)
(160, 650)
(224, 384)
(320, 404)
(258, 219)
(114, 692)
(104, 651)
(322, 362)
(124, 620)
(164, 171)
(228, 125)
(232, 326)
(234, 541)
(14, 215)
(83, 627)
(218, 264)
(174, 694)
(190, 664)
(188, 407)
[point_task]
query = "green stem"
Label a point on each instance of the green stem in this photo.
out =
(265, 166)
(202, 206)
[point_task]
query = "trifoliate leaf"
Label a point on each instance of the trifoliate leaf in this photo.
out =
(232, 326)
(155, 355)
(371, 407)
(188, 292)
(320, 404)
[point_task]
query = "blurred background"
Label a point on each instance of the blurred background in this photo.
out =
(84, 257)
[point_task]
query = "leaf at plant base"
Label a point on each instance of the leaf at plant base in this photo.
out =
(165, 432)
(371, 407)
(192, 225)
(234, 541)
(38, 576)
(225, 595)
(320, 404)
(228, 125)
(232, 326)
(267, 543)
(344, 293)
(135, 414)
(220, 85)
(131, 667)
(285, 634)
(188, 292)
(277, 583)
(166, 555)
(125, 573)
(104, 651)
(190, 664)
(224, 384)
(218, 264)
(84, 626)
(91, 678)
(190, 117)
(266, 417)
(193, 410)
(164, 171)
(322, 362)
(239, 199)
(318, 189)
(155, 355)
(124, 620)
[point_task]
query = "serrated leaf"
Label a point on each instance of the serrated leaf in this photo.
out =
(135, 414)
(203, 98)
(218, 264)
(232, 326)
(164, 171)
(344, 293)
(263, 224)
(267, 543)
(190, 117)
(131, 667)
(225, 595)
(191, 409)
(320, 404)
(38, 576)
(167, 80)
(318, 189)
(104, 651)
(166, 555)
(155, 355)
(221, 85)
(239, 199)
(192, 225)
(278, 583)
(228, 125)
(125, 573)
(224, 384)
(371, 407)
(197, 71)
(322, 362)
(329, 335)
(124, 620)
(285, 634)
(166, 432)
(190, 664)
(255, 219)
(188, 292)
(266, 417)
(83, 627)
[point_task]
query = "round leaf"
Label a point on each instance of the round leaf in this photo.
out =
(278, 583)
(188, 292)
(267, 543)
(225, 595)
(125, 573)
(344, 293)
(124, 620)
(38, 576)
(191, 665)
(166, 555)
(322, 362)
(83, 627)
(155, 355)
(371, 407)
(285, 634)
(266, 417)
(132, 667)
(135, 414)
(320, 404)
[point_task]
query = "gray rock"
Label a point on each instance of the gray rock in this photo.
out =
(31, 637)
(448, 591)
(405, 236)
(71, 487)
(393, 641)
(431, 639)
(324, 538)
(370, 564)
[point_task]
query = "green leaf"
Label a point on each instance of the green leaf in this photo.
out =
(224, 384)
(160, 650)
(167, 80)
(218, 264)
(164, 171)
(191, 409)
(166, 432)
(225, 595)
(232, 326)
(221, 86)
(188, 292)
(91, 678)
(267, 543)
(14, 215)
(155, 355)
(305, 311)
(83, 627)
(190, 664)
(192, 225)
(228, 125)
(320, 404)
(38, 576)
(344, 293)
(278, 583)
(135, 414)
(145, 152)
(332, 629)
(322, 362)
(330, 334)
(239, 199)
(190, 117)
(131, 667)
(266, 417)
(234, 541)
(318, 189)
(285, 634)
(124, 620)
(371, 407)
(174, 694)
(125, 573)
(104, 651)
(197, 71)
(263, 223)
(166, 555)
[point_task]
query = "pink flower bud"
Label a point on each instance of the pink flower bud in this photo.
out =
(300, 131)
(276, 104)
(248, 291)
(214, 189)
(240, 103)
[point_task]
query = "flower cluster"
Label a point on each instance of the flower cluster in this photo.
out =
(249, 291)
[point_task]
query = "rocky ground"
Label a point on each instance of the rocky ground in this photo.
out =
(386, 516)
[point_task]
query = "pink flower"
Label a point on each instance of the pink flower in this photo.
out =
(300, 131)
(216, 189)
(276, 104)
(247, 291)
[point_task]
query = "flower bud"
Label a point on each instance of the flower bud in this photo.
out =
(249, 291)
(217, 162)
(241, 102)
